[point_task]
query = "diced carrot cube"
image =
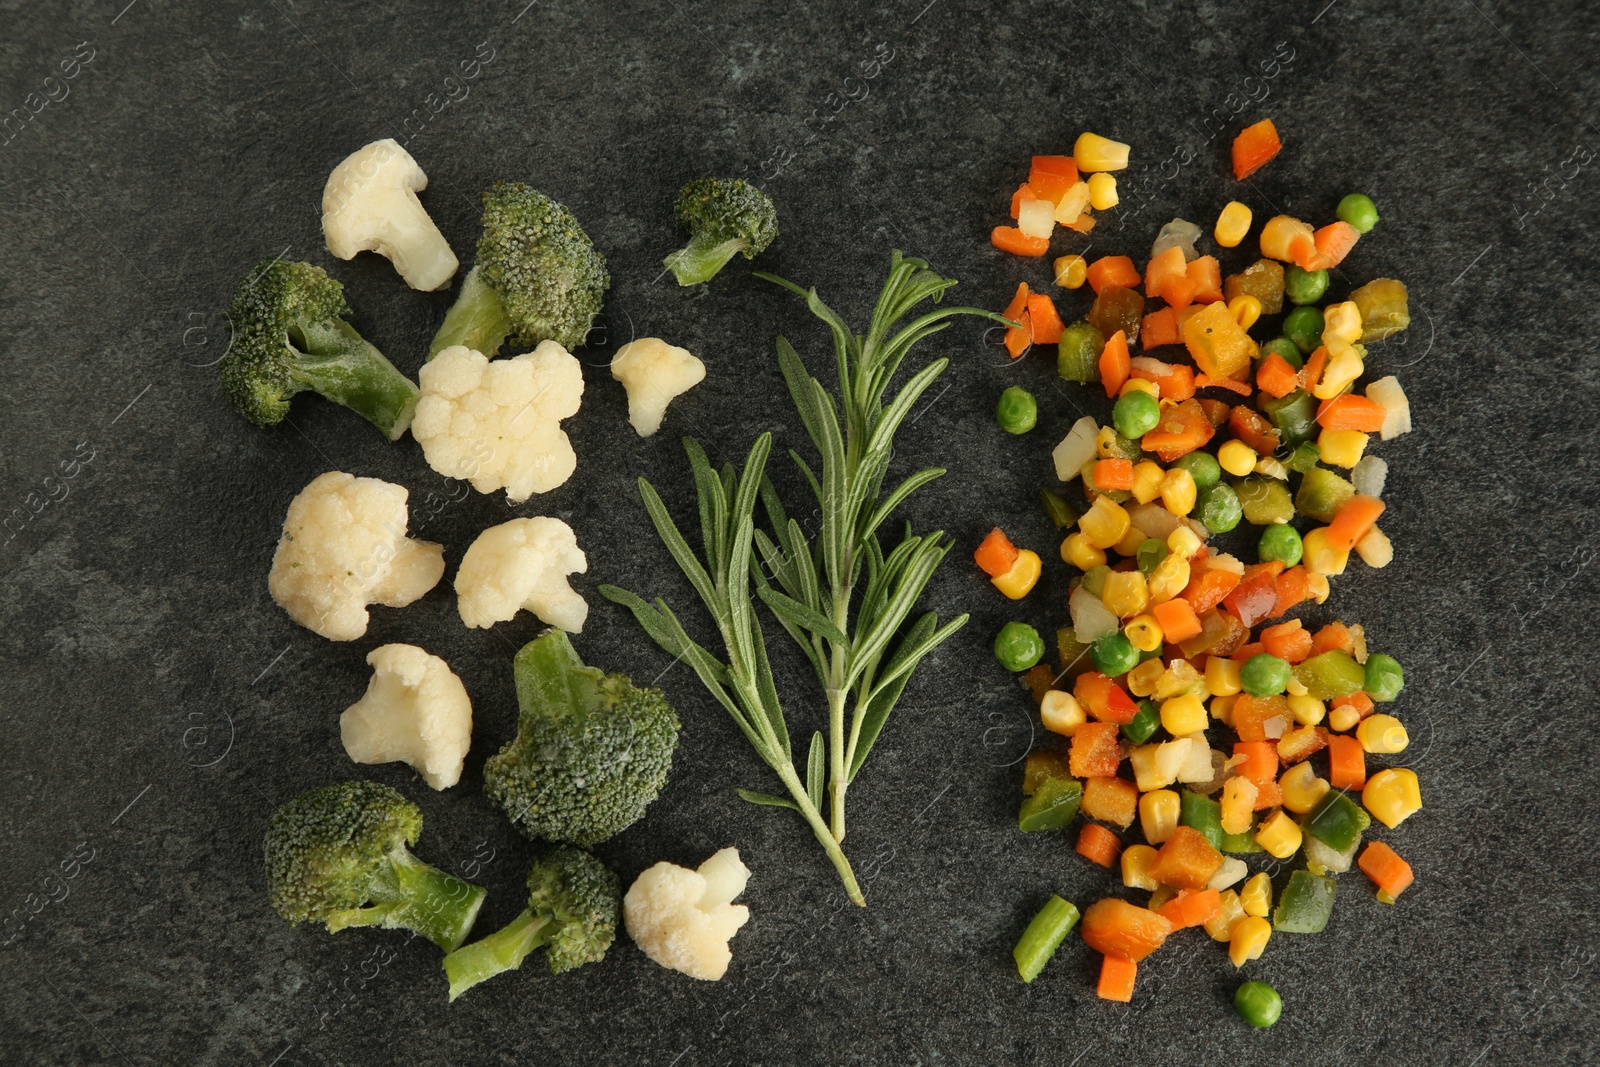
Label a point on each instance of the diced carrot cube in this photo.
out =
(1122, 929)
(1095, 752)
(1186, 860)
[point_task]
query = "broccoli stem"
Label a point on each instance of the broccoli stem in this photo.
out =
(704, 255)
(503, 950)
(477, 319)
(411, 895)
(331, 358)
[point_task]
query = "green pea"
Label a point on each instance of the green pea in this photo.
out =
(1136, 414)
(1018, 646)
(1281, 542)
(1078, 354)
(1151, 552)
(1114, 655)
(1304, 286)
(1218, 508)
(1285, 348)
(1143, 725)
(1384, 678)
(1264, 675)
(1303, 326)
(1258, 1004)
(1203, 468)
(1359, 211)
(1017, 411)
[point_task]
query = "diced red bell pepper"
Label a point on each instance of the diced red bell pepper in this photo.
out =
(1256, 594)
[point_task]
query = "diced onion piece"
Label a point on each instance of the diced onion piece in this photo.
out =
(1197, 764)
(1369, 475)
(1272, 468)
(1330, 859)
(1073, 202)
(1375, 548)
(1076, 449)
(1036, 218)
(1180, 234)
(1090, 618)
(1275, 727)
(1225, 562)
(1397, 409)
(1172, 757)
(1230, 873)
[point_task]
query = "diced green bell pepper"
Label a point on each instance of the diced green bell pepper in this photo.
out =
(1043, 936)
(1337, 821)
(1305, 456)
(1241, 844)
(1061, 513)
(1073, 655)
(1265, 501)
(1331, 675)
(1294, 414)
(1201, 813)
(1322, 493)
(1053, 804)
(1144, 723)
(1305, 904)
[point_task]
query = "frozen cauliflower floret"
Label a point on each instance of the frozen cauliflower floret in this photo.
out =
(498, 424)
(416, 711)
(344, 546)
(370, 203)
(684, 919)
(520, 564)
(654, 373)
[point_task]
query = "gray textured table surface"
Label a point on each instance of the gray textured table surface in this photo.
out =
(155, 706)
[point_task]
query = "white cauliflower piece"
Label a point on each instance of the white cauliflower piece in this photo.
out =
(654, 373)
(684, 919)
(415, 710)
(344, 546)
(370, 204)
(520, 564)
(498, 424)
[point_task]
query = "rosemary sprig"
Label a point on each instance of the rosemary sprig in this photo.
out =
(859, 642)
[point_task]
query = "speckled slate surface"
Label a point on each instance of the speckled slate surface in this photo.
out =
(155, 706)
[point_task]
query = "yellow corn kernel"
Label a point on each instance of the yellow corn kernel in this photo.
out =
(1158, 815)
(1318, 584)
(1306, 709)
(1343, 718)
(1071, 271)
(1125, 593)
(1136, 861)
(1295, 687)
(1170, 578)
(1148, 771)
(1077, 550)
(1341, 326)
(1248, 939)
(1183, 541)
(1222, 676)
(1342, 448)
(1238, 805)
(1144, 633)
(1280, 835)
(1302, 789)
(1140, 385)
(1105, 523)
(1222, 709)
(1321, 557)
(1342, 368)
(1220, 925)
(1143, 678)
(1233, 223)
(1147, 475)
(1245, 310)
(1179, 678)
(1256, 895)
(1061, 713)
(1023, 575)
(1129, 545)
(1106, 445)
(1183, 714)
(1237, 458)
(1382, 735)
(1103, 192)
(1272, 468)
(1094, 153)
(1392, 795)
(1178, 491)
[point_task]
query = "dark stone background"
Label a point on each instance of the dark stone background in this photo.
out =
(155, 706)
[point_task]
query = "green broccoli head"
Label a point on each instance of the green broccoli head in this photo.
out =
(724, 217)
(290, 335)
(591, 751)
(538, 277)
(340, 854)
(573, 906)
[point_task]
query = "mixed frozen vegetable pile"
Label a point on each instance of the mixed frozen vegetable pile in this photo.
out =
(1245, 732)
